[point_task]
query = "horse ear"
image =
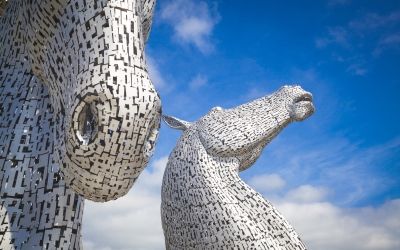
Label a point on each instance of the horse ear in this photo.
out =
(176, 123)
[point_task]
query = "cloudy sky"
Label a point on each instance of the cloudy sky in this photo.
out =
(335, 176)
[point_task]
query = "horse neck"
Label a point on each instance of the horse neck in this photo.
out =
(17, 81)
(30, 179)
(200, 170)
(218, 175)
(200, 189)
(18, 86)
(13, 30)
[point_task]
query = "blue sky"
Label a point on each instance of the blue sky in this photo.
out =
(342, 164)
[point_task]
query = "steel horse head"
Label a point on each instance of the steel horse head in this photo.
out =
(90, 56)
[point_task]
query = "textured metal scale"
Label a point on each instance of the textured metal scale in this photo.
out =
(79, 116)
(205, 204)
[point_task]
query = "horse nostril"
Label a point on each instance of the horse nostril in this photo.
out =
(87, 124)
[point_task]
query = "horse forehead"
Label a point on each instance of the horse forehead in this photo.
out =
(225, 116)
(239, 119)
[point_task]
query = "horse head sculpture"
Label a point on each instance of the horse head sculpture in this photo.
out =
(205, 204)
(245, 130)
(90, 56)
(75, 95)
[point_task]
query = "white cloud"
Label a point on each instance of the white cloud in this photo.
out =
(265, 182)
(306, 193)
(192, 21)
(131, 222)
(155, 74)
(324, 226)
(347, 168)
(198, 81)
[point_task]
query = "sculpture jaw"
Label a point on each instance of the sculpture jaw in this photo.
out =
(249, 158)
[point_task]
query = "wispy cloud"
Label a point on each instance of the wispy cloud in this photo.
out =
(357, 69)
(361, 39)
(193, 22)
(155, 74)
(373, 21)
(391, 41)
(350, 171)
(386, 26)
(336, 35)
(198, 81)
(358, 28)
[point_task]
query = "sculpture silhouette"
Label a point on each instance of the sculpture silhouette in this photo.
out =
(205, 205)
(74, 94)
